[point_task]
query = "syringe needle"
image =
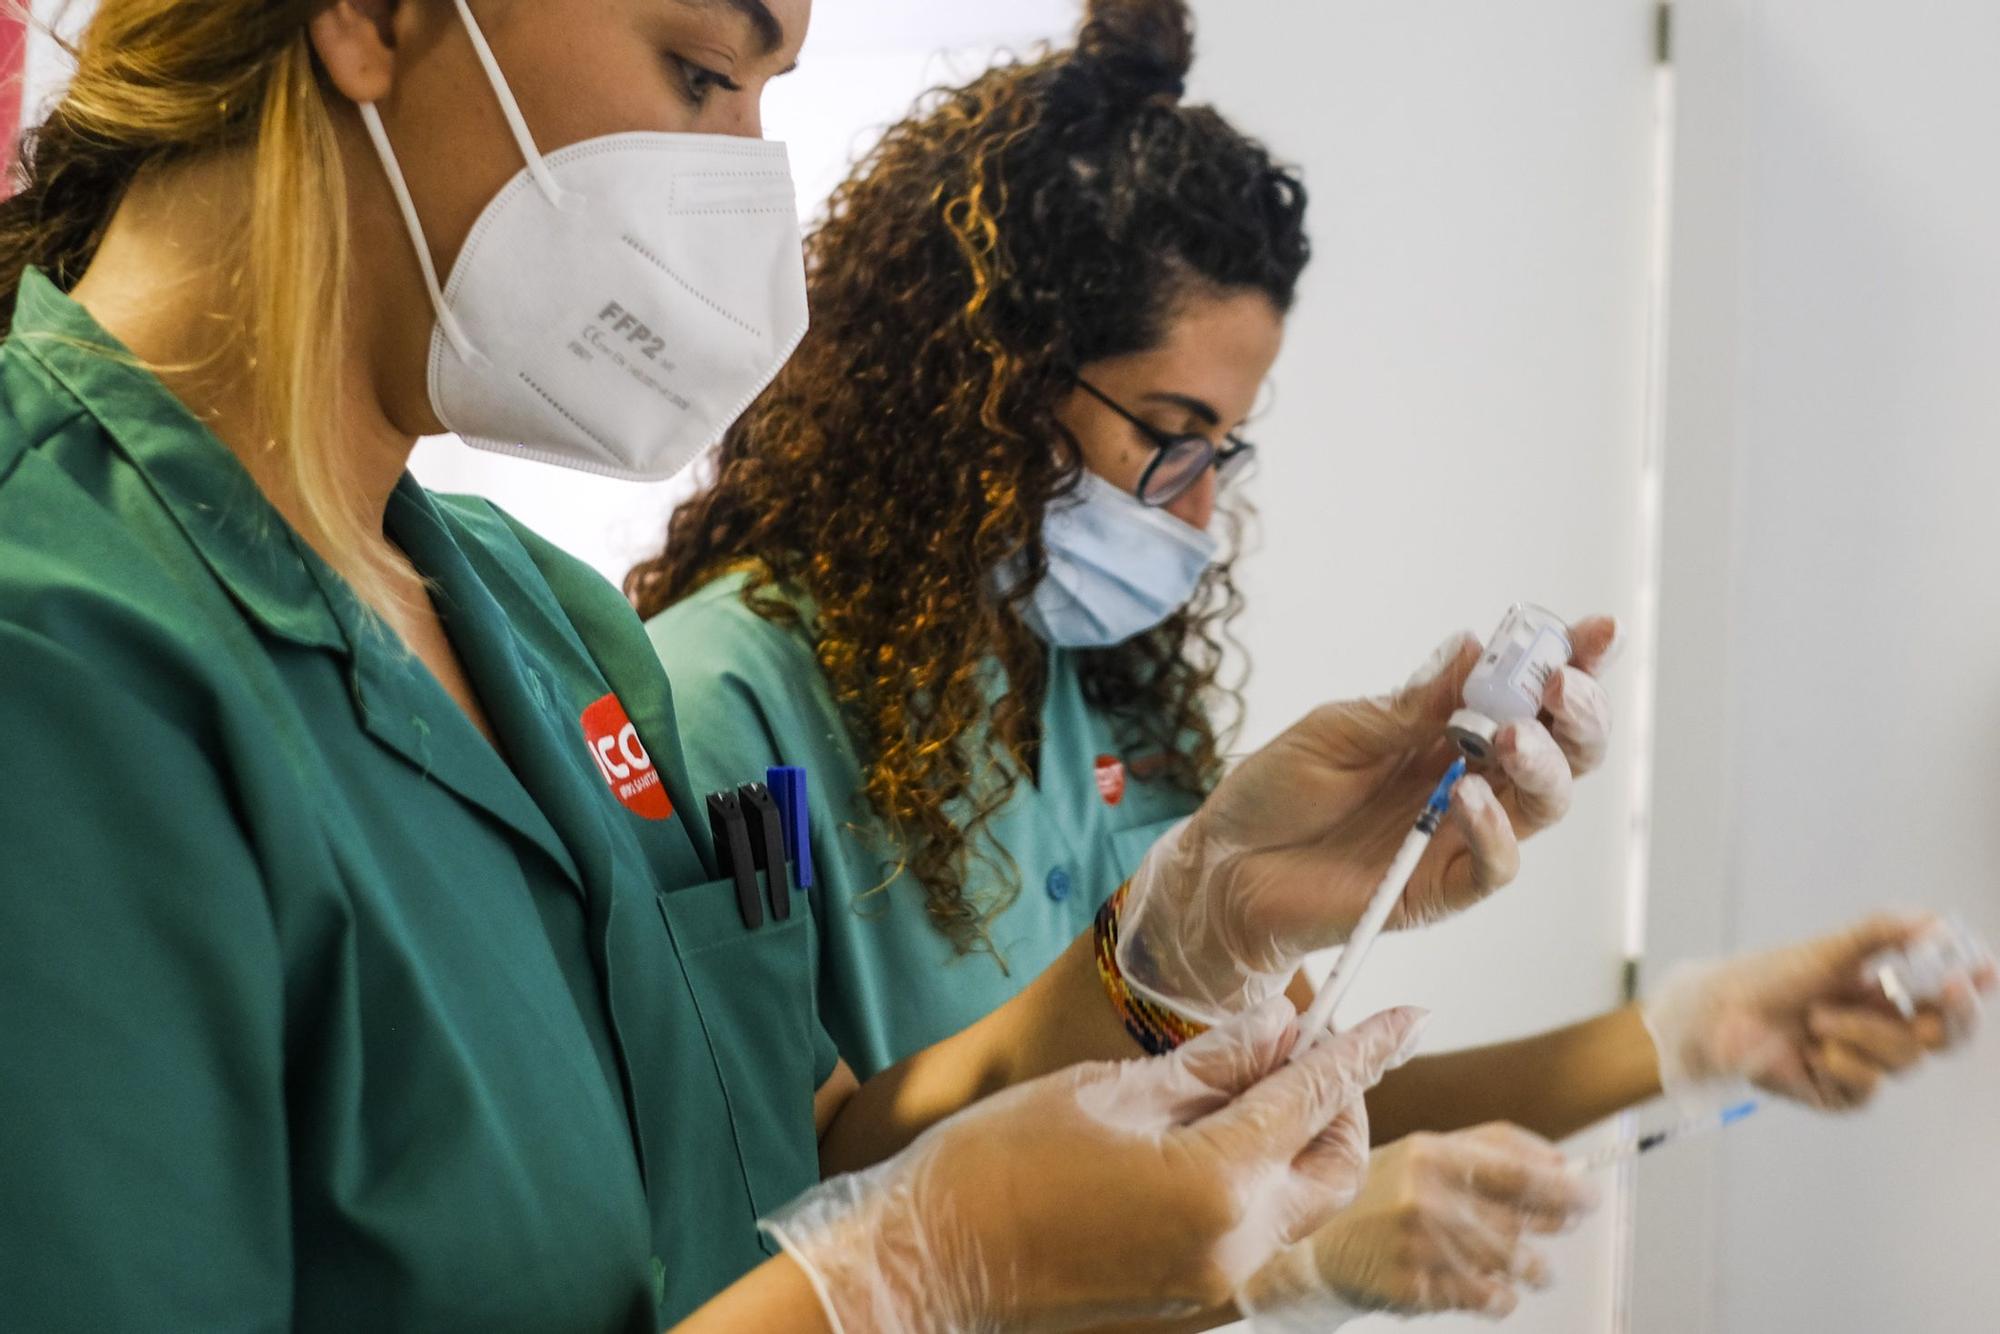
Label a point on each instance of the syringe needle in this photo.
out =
(1387, 895)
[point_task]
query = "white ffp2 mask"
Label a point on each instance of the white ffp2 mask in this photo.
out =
(1117, 567)
(620, 302)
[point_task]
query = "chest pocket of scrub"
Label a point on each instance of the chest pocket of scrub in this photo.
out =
(754, 991)
(1130, 846)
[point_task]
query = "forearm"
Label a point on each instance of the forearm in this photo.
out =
(1061, 1019)
(776, 1296)
(1554, 1084)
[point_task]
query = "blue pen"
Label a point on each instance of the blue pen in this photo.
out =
(1387, 896)
(788, 784)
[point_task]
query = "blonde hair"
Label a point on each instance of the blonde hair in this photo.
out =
(160, 81)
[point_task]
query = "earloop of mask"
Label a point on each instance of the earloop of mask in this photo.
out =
(453, 331)
(538, 169)
(545, 180)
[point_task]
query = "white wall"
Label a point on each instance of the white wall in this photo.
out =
(47, 66)
(1458, 425)
(1834, 648)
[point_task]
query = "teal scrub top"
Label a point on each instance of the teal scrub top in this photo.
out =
(890, 982)
(315, 1013)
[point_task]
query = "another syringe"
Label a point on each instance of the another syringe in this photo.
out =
(1390, 893)
(1706, 1124)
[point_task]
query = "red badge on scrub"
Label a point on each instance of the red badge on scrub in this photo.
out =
(622, 759)
(1110, 779)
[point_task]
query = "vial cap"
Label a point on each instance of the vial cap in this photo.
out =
(1474, 733)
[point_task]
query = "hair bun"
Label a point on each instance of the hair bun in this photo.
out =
(1141, 48)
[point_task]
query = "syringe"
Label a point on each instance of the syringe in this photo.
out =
(1348, 966)
(1706, 1124)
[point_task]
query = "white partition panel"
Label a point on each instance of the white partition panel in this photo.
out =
(1832, 628)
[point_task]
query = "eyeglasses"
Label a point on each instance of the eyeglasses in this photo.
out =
(1182, 459)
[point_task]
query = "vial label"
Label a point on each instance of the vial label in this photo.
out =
(1521, 659)
(1547, 655)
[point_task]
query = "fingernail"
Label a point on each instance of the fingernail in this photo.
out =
(1557, 690)
(1616, 648)
(1579, 702)
(1436, 665)
(1474, 795)
(1535, 761)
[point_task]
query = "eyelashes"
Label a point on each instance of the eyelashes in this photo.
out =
(698, 81)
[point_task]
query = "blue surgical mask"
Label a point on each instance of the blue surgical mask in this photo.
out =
(1117, 568)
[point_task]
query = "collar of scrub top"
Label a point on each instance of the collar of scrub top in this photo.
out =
(281, 585)
(196, 477)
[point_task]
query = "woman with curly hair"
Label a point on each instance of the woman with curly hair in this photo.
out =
(968, 562)
(1053, 283)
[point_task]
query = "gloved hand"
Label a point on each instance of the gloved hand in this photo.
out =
(1443, 1224)
(1120, 1190)
(1802, 1022)
(1283, 857)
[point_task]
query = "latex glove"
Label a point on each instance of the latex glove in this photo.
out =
(1282, 858)
(1802, 1022)
(1444, 1223)
(1119, 1190)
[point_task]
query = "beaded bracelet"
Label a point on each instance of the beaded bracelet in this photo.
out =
(1154, 1027)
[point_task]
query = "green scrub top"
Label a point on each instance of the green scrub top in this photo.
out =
(315, 1013)
(890, 982)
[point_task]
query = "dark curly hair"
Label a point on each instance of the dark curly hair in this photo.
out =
(1050, 214)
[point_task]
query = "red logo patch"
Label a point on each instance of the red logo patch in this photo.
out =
(1110, 779)
(622, 759)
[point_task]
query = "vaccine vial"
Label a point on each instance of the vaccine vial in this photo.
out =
(1918, 973)
(1523, 656)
